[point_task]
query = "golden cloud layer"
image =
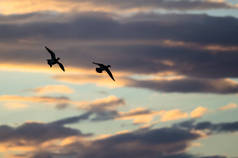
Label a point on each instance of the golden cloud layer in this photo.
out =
(198, 112)
(146, 117)
(29, 6)
(173, 115)
(53, 89)
(34, 99)
(14, 106)
(139, 115)
(228, 107)
(108, 103)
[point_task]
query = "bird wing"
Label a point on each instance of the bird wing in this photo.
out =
(110, 74)
(101, 65)
(51, 53)
(61, 66)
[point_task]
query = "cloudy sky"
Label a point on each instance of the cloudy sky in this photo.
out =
(175, 64)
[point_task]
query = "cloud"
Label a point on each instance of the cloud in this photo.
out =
(138, 115)
(209, 127)
(111, 27)
(215, 156)
(97, 110)
(99, 106)
(20, 100)
(163, 4)
(173, 115)
(189, 85)
(15, 106)
(219, 127)
(189, 54)
(71, 120)
(228, 107)
(145, 116)
(35, 133)
(99, 80)
(11, 7)
(166, 84)
(166, 142)
(53, 89)
(105, 104)
(198, 112)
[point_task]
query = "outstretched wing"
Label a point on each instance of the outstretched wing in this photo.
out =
(101, 65)
(51, 53)
(61, 66)
(110, 74)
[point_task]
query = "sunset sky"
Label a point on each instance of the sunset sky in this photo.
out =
(175, 63)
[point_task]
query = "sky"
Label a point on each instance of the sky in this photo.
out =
(175, 66)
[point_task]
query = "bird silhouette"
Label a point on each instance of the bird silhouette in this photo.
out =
(102, 68)
(53, 59)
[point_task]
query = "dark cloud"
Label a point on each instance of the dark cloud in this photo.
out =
(169, 142)
(215, 156)
(73, 119)
(106, 105)
(180, 85)
(219, 127)
(86, 37)
(210, 127)
(99, 110)
(189, 85)
(101, 26)
(35, 133)
(102, 115)
(61, 106)
(161, 4)
(165, 143)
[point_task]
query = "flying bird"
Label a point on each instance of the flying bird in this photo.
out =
(103, 67)
(53, 59)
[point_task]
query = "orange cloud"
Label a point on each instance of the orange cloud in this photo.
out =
(53, 89)
(14, 106)
(198, 112)
(104, 136)
(29, 6)
(145, 116)
(173, 115)
(228, 107)
(108, 103)
(34, 99)
(11, 148)
(35, 68)
(217, 48)
(139, 115)
(99, 80)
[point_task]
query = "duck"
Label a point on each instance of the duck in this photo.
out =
(102, 68)
(53, 59)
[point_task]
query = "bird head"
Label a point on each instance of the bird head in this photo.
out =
(109, 66)
(58, 58)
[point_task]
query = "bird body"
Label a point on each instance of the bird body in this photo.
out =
(53, 59)
(102, 68)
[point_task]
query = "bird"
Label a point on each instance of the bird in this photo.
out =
(53, 59)
(103, 67)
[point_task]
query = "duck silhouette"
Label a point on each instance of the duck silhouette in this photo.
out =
(102, 68)
(53, 59)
